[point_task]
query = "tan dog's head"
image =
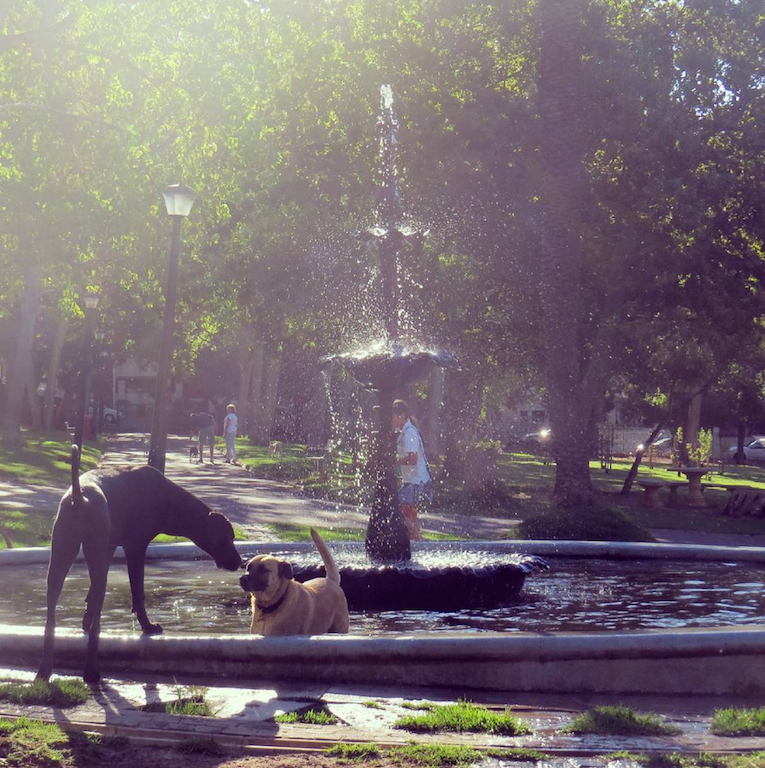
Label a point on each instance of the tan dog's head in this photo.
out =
(266, 575)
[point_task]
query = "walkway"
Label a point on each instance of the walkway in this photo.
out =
(253, 504)
(244, 717)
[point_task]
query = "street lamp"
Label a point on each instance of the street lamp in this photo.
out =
(91, 304)
(179, 201)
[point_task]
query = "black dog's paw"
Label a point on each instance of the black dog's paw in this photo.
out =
(91, 675)
(153, 629)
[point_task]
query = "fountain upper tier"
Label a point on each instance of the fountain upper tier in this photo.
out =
(378, 365)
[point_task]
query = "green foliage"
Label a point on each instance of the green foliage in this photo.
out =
(619, 721)
(589, 524)
(189, 700)
(463, 716)
(314, 715)
(58, 693)
(738, 722)
(372, 705)
(424, 705)
(296, 532)
(44, 459)
(435, 754)
(355, 752)
(25, 528)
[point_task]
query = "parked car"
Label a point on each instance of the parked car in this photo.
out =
(112, 416)
(753, 450)
(532, 442)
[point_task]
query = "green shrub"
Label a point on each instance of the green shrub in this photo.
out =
(620, 721)
(309, 715)
(738, 722)
(463, 716)
(59, 693)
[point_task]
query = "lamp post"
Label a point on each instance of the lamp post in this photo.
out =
(179, 201)
(91, 304)
(99, 335)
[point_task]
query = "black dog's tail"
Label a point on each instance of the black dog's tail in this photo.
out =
(76, 490)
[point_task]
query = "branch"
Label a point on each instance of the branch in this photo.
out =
(33, 35)
(62, 113)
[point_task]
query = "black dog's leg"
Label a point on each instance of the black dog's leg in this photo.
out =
(98, 555)
(65, 544)
(136, 561)
(87, 617)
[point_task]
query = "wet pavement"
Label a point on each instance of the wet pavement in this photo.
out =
(243, 716)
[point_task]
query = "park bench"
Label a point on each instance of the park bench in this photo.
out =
(316, 456)
(652, 487)
(70, 428)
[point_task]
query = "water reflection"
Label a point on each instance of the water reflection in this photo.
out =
(575, 595)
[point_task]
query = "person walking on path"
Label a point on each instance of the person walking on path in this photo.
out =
(416, 483)
(229, 433)
(204, 424)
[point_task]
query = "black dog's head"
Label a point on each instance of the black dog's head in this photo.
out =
(218, 542)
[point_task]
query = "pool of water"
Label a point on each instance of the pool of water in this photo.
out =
(192, 597)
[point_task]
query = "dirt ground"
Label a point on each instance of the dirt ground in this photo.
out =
(148, 757)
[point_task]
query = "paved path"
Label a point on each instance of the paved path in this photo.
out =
(253, 504)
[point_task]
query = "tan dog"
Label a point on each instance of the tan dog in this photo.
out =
(283, 606)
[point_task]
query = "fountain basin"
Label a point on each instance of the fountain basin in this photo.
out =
(723, 660)
(398, 587)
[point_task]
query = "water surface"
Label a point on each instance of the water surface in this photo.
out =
(193, 597)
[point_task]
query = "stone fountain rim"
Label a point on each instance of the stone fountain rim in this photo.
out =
(611, 550)
(717, 661)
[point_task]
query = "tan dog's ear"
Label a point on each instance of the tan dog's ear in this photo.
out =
(285, 570)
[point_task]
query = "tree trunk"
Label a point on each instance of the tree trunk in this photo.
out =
(740, 440)
(562, 175)
(243, 402)
(53, 365)
(432, 428)
(691, 428)
(269, 397)
(463, 396)
(632, 474)
(33, 399)
(22, 359)
(256, 388)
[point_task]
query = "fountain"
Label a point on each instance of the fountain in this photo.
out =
(386, 368)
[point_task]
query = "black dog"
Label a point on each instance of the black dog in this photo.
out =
(128, 508)
(193, 452)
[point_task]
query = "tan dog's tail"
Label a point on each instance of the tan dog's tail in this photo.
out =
(76, 490)
(333, 574)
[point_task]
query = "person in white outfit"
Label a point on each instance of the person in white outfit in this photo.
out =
(417, 484)
(229, 433)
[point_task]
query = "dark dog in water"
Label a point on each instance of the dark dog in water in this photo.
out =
(123, 507)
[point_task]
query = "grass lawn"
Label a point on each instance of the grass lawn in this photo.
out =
(297, 532)
(525, 491)
(43, 459)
